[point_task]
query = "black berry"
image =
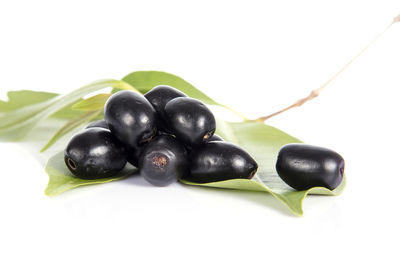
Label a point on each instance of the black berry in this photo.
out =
(159, 96)
(304, 166)
(219, 161)
(133, 155)
(163, 161)
(131, 118)
(94, 153)
(190, 120)
(99, 123)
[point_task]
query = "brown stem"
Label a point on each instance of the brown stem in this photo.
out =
(299, 102)
(316, 92)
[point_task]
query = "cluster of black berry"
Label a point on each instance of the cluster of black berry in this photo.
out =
(165, 133)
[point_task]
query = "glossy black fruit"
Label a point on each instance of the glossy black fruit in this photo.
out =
(99, 123)
(190, 120)
(304, 166)
(131, 118)
(215, 137)
(163, 161)
(133, 155)
(160, 95)
(219, 161)
(94, 153)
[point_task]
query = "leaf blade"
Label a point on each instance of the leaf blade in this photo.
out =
(19, 122)
(146, 80)
(263, 143)
(61, 179)
(71, 125)
(92, 103)
(23, 98)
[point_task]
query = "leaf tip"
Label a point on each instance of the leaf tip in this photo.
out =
(298, 213)
(48, 192)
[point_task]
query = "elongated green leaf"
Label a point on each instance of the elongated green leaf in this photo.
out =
(66, 112)
(145, 80)
(92, 103)
(26, 108)
(263, 143)
(24, 98)
(15, 124)
(61, 179)
(71, 125)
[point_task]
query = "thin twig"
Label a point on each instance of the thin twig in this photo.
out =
(317, 91)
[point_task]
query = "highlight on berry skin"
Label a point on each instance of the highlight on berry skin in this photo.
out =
(167, 135)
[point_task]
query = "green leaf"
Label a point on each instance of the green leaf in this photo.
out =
(25, 109)
(66, 112)
(61, 179)
(263, 143)
(17, 123)
(24, 98)
(96, 102)
(145, 80)
(70, 125)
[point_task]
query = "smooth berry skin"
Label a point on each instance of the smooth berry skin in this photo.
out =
(304, 166)
(219, 161)
(133, 155)
(160, 95)
(131, 118)
(163, 161)
(99, 123)
(95, 153)
(190, 120)
(215, 137)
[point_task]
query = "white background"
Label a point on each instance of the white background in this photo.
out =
(255, 56)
